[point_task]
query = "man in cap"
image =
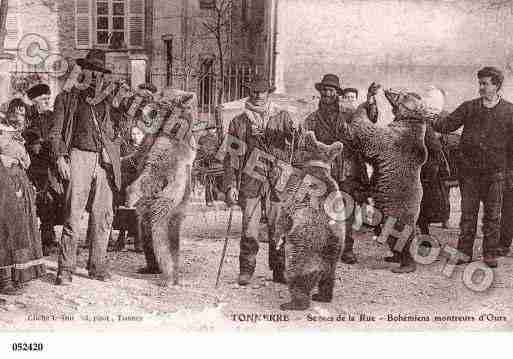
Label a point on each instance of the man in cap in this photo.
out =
(39, 122)
(86, 153)
(260, 127)
(348, 168)
(487, 124)
(350, 98)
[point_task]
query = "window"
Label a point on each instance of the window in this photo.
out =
(109, 23)
(207, 4)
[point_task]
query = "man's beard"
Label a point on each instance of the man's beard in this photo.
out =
(329, 100)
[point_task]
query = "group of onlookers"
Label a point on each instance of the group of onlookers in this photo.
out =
(57, 164)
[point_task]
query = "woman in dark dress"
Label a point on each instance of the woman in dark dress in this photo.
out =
(435, 206)
(20, 241)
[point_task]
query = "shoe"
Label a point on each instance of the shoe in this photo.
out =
(279, 277)
(318, 297)
(490, 261)
(463, 261)
(11, 289)
(49, 249)
(503, 252)
(148, 270)
(244, 279)
(348, 257)
(394, 258)
(405, 268)
(103, 276)
(64, 278)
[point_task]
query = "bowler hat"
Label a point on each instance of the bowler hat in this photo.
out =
(38, 90)
(330, 80)
(260, 85)
(148, 86)
(94, 61)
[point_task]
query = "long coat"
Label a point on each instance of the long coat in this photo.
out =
(274, 140)
(61, 133)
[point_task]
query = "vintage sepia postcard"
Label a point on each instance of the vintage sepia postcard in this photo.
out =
(192, 166)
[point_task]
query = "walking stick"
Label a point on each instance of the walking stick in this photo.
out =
(225, 246)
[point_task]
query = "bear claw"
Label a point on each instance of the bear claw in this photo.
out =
(295, 306)
(321, 298)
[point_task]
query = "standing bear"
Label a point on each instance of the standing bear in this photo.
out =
(313, 240)
(162, 188)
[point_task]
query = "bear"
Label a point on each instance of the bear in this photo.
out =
(396, 153)
(313, 241)
(163, 186)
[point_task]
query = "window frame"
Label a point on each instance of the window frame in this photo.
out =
(134, 25)
(110, 23)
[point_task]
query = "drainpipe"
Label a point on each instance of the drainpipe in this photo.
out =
(274, 51)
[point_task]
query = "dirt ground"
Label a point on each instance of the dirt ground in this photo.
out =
(367, 295)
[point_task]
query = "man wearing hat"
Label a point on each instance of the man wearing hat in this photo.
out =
(37, 136)
(260, 127)
(487, 124)
(348, 168)
(86, 152)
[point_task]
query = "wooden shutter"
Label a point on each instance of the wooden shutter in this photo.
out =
(12, 26)
(207, 4)
(135, 23)
(83, 21)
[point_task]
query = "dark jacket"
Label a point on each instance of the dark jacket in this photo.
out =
(486, 135)
(61, 134)
(276, 132)
(39, 124)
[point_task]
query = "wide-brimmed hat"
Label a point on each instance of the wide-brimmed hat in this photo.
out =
(329, 80)
(260, 85)
(94, 61)
(148, 86)
(38, 90)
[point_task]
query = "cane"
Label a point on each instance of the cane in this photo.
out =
(225, 246)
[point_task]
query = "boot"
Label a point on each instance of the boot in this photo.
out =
(279, 277)
(244, 279)
(407, 264)
(63, 278)
(10, 289)
(325, 292)
(394, 258)
(300, 298)
(148, 270)
(490, 261)
(348, 257)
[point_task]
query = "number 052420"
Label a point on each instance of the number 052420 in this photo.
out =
(27, 347)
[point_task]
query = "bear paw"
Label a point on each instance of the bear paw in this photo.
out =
(295, 305)
(318, 297)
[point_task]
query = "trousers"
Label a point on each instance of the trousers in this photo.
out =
(477, 188)
(89, 181)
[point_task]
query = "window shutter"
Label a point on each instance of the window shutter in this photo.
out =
(12, 26)
(135, 23)
(207, 4)
(83, 19)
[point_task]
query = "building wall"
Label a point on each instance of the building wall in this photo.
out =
(180, 20)
(404, 43)
(53, 22)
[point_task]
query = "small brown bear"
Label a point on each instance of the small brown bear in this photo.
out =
(313, 240)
